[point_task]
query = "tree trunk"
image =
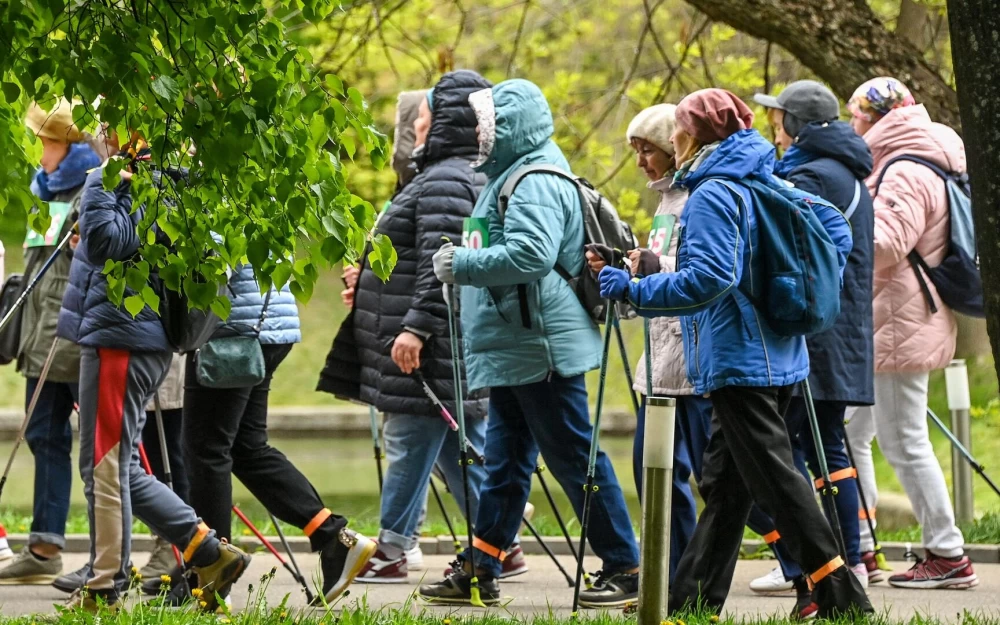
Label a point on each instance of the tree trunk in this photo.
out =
(844, 43)
(913, 24)
(975, 45)
(973, 339)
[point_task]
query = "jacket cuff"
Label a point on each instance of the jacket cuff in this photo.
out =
(423, 334)
(632, 293)
(459, 265)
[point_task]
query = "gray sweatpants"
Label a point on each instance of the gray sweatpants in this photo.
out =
(115, 386)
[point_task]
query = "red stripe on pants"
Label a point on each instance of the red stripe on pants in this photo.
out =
(112, 380)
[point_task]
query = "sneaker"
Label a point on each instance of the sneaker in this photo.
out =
(805, 608)
(6, 554)
(839, 595)
(415, 559)
(861, 572)
(874, 573)
(164, 582)
(81, 601)
(456, 587)
(514, 564)
(74, 581)
(772, 583)
(217, 578)
(28, 569)
(381, 569)
(342, 560)
(611, 591)
(937, 572)
(161, 561)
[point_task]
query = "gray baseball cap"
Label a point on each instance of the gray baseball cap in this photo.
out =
(807, 100)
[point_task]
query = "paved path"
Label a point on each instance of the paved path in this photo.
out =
(543, 588)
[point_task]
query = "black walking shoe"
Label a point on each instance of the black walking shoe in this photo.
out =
(839, 595)
(342, 560)
(804, 607)
(611, 590)
(456, 587)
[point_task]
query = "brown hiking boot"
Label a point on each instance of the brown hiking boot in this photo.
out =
(215, 579)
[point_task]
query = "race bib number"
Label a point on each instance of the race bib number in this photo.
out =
(59, 212)
(475, 233)
(659, 235)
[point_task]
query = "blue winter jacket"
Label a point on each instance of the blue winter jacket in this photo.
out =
(107, 232)
(281, 326)
(726, 341)
(832, 161)
(543, 226)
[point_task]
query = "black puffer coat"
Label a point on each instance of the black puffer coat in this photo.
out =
(432, 206)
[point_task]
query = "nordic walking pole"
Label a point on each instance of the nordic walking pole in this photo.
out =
(444, 513)
(267, 544)
(31, 409)
(373, 419)
(829, 491)
(978, 468)
(625, 363)
(880, 560)
(291, 557)
(548, 551)
(589, 488)
(36, 279)
(539, 471)
(456, 372)
(167, 473)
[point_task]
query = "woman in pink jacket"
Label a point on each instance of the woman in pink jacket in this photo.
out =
(911, 213)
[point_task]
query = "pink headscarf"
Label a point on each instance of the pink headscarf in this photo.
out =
(712, 115)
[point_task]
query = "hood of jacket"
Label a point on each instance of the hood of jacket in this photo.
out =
(742, 154)
(909, 130)
(407, 111)
(836, 140)
(521, 123)
(453, 122)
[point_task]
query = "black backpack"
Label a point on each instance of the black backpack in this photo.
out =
(601, 225)
(10, 334)
(957, 278)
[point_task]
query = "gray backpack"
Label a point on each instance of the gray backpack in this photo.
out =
(601, 225)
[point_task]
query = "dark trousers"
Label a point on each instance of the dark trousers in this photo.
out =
(749, 458)
(692, 428)
(51, 442)
(172, 427)
(225, 434)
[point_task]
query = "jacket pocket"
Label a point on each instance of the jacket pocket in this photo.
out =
(697, 347)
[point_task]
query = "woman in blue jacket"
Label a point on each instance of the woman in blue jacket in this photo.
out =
(747, 369)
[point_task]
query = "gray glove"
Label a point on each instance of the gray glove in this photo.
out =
(443, 259)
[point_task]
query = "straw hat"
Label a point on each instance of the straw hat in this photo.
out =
(56, 124)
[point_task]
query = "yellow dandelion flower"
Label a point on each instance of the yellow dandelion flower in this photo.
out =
(446, 621)
(284, 614)
(165, 579)
(224, 620)
(203, 604)
(713, 619)
(680, 622)
(197, 592)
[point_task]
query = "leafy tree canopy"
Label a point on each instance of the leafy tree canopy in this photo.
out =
(271, 134)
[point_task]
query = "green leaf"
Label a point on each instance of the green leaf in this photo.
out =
(134, 305)
(221, 307)
(151, 299)
(333, 250)
(382, 257)
(281, 273)
(311, 103)
(334, 84)
(166, 87)
(11, 92)
(257, 251)
(110, 177)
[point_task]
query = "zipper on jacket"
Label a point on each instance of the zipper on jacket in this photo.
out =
(767, 358)
(697, 347)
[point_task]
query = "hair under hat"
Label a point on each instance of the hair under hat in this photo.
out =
(711, 115)
(56, 124)
(874, 99)
(654, 124)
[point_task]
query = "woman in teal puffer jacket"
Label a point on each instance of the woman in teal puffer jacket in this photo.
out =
(532, 351)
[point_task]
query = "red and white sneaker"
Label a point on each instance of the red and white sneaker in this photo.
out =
(938, 572)
(874, 573)
(514, 564)
(383, 570)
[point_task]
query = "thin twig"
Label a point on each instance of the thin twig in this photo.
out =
(767, 68)
(517, 37)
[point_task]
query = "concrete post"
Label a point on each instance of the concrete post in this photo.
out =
(657, 475)
(956, 378)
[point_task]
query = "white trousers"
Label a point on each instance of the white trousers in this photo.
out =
(899, 421)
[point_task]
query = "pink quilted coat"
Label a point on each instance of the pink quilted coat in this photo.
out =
(911, 211)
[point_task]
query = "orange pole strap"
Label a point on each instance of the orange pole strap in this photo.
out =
(836, 476)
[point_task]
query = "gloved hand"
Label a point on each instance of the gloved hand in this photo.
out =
(443, 259)
(614, 283)
(610, 256)
(644, 262)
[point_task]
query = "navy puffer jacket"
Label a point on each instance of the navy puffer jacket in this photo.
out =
(832, 161)
(107, 232)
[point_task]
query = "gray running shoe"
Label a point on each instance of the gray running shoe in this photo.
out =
(74, 580)
(161, 561)
(27, 569)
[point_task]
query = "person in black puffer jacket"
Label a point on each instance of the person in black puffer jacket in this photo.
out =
(401, 326)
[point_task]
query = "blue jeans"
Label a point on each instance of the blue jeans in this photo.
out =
(552, 417)
(692, 430)
(830, 418)
(51, 441)
(412, 445)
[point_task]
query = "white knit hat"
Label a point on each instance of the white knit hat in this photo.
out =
(654, 124)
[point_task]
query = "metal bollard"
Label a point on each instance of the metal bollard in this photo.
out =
(956, 378)
(657, 475)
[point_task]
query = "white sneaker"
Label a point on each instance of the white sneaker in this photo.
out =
(861, 572)
(772, 583)
(415, 559)
(6, 554)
